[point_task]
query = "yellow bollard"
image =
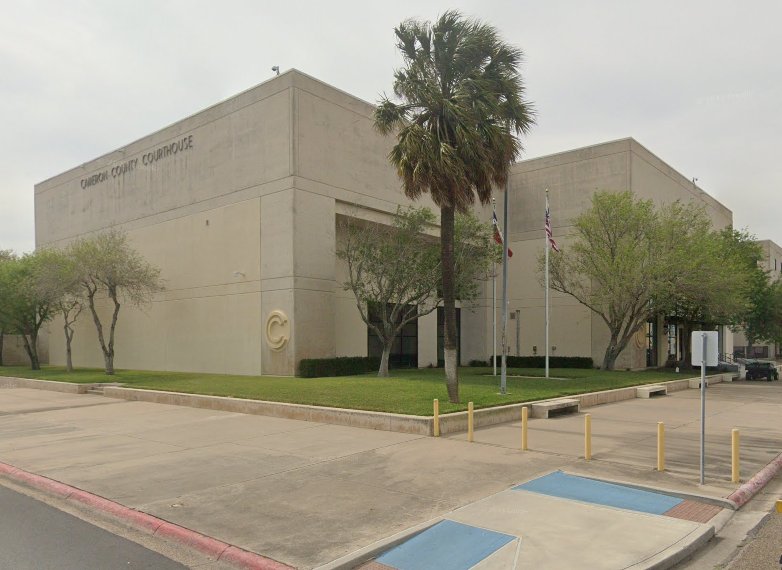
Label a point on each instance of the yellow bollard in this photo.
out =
(469, 421)
(660, 446)
(779, 506)
(587, 436)
(436, 417)
(735, 477)
(524, 420)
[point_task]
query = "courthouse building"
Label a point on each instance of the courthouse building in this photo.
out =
(240, 206)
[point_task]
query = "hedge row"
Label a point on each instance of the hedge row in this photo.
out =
(340, 366)
(540, 362)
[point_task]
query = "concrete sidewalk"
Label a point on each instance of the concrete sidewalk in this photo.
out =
(306, 493)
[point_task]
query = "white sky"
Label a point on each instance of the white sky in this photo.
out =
(697, 82)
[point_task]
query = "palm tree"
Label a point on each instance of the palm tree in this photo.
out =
(460, 113)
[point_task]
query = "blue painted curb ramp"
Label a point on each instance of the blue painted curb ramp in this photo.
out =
(566, 486)
(447, 545)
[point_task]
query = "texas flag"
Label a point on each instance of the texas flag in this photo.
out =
(498, 233)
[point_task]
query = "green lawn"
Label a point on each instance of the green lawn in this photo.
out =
(406, 392)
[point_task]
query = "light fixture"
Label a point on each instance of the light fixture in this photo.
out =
(276, 68)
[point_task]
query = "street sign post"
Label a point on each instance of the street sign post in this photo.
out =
(704, 353)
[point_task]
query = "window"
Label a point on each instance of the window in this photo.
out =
(651, 343)
(759, 352)
(672, 341)
(404, 350)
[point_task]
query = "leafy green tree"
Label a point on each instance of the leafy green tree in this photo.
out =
(27, 301)
(709, 283)
(61, 275)
(631, 261)
(5, 255)
(761, 319)
(457, 124)
(108, 266)
(396, 269)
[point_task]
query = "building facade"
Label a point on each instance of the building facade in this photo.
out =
(240, 206)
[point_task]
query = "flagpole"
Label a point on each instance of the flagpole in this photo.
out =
(545, 236)
(494, 304)
(506, 239)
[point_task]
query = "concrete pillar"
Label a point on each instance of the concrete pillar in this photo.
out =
(297, 279)
(427, 340)
(476, 333)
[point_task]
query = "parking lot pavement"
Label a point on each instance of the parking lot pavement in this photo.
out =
(306, 493)
(624, 436)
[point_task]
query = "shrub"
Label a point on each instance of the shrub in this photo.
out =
(339, 366)
(477, 363)
(554, 361)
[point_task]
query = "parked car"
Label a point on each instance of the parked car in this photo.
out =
(757, 369)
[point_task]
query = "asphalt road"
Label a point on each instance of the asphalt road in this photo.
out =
(36, 536)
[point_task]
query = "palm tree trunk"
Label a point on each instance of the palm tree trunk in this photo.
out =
(449, 303)
(2, 334)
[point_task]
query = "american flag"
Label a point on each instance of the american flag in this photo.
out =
(497, 232)
(549, 234)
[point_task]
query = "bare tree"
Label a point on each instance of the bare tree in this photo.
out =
(60, 276)
(107, 265)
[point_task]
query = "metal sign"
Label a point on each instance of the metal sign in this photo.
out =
(704, 353)
(711, 348)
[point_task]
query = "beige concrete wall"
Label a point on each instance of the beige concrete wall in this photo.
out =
(572, 177)
(570, 322)
(14, 353)
(207, 319)
(196, 215)
(236, 145)
(350, 331)
(427, 340)
(653, 179)
(772, 258)
(339, 152)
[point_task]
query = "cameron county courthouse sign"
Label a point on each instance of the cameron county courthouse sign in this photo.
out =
(147, 159)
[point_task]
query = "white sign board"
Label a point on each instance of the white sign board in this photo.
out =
(712, 348)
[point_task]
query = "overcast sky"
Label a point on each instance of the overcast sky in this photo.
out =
(699, 83)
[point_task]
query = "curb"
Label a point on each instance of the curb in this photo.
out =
(677, 552)
(454, 422)
(743, 494)
(219, 550)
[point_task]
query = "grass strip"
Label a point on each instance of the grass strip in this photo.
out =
(405, 392)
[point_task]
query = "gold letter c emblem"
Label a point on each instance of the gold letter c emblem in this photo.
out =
(277, 330)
